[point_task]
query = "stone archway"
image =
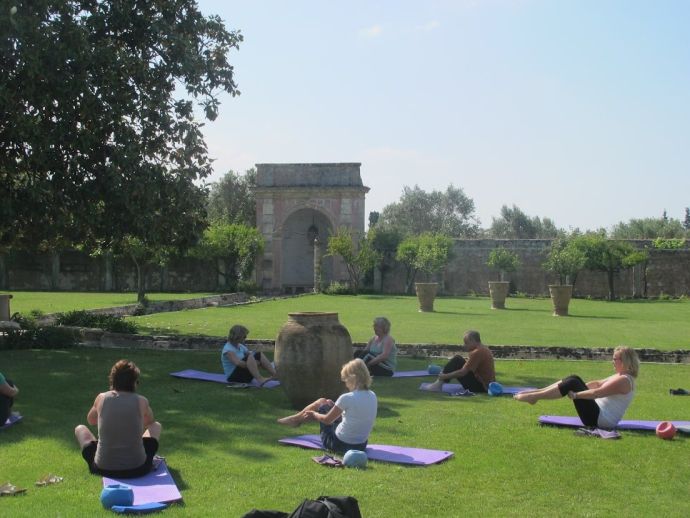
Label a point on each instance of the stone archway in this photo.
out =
(289, 199)
(298, 233)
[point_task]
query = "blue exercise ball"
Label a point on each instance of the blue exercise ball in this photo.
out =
(495, 388)
(117, 494)
(434, 369)
(355, 459)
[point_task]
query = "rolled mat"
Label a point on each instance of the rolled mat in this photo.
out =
(454, 388)
(192, 374)
(13, 419)
(380, 452)
(411, 374)
(158, 486)
(574, 421)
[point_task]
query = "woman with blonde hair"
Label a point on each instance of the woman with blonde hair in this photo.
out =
(380, 354)
(347, 423)
(599, 403)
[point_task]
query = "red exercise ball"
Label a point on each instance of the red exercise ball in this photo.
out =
(665, 430)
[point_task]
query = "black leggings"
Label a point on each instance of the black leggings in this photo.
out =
(469, 381)
(587, 409)
(6, 403)
(374, 370)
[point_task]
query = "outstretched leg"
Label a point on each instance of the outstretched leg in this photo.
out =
(297, 419)
(266, 364)
(553, 391)
(253, 369)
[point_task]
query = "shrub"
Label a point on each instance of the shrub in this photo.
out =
(503, 260)
(31, 336)
(338, 288)
(248, 287)
(112, 323)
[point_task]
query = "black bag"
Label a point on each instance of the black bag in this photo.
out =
(328, 507)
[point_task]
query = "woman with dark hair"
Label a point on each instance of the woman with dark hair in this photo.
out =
(127, 433)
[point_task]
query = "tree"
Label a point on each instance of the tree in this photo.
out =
(235, 246)
(143, 256)
(450, 213)
(606, 255)
(515, 224)
(100, 142)
(385, 243)
(686, 221)
(231, 199)
(503, 260)
(428, 253)
(565, 260)
(358, 257)
(648, 228)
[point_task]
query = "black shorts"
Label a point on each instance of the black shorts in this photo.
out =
(242, 374)
(150, 447)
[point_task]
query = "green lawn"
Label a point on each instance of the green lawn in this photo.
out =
(661, 325)
(63, 301)
(221, 444)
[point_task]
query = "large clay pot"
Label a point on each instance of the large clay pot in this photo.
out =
(311, 349)
(5, 307)
(560, 297)
(426, 293)
(498, 291)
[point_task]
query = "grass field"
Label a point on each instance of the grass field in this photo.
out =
(63, 301)
(663, 325)
(221, 445)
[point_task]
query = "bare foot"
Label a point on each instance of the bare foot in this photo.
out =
(292, 420)
(525, 397)
(436, 386)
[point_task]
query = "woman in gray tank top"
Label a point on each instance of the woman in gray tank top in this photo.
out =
(127, 432)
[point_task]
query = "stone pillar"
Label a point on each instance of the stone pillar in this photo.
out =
(317, 266)
(108, 271)
(54, 270)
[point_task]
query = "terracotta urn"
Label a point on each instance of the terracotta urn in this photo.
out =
(426, 294)
(311, 348)
(498, 290)
(560, 297)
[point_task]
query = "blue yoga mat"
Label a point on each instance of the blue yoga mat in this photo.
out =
(13, 419)
(192, 374)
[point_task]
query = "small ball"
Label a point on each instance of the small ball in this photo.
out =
(495, 389)
(117, 494)
(434, 369)
(355, 459)
(665, 430)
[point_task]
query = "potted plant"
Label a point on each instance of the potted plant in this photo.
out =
(428, 253)
(504, 261)
(564, 259)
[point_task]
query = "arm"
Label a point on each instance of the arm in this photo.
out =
(334, 413)
(239, 362)
(92, 416)
(8, 390)
(385, 353)
(146, 412)
(608, 387)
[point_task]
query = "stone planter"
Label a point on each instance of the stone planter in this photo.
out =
(311, 348)
(560, 297)
(498, 291)
(426, 294)
(5, 307)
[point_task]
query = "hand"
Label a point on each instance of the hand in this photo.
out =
(571, 394)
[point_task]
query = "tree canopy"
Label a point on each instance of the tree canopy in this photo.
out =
(232, 200)
(649, 228)
(515, 224)
(450, 213)
(100, 142)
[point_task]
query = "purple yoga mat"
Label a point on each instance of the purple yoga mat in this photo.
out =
(557, 420)
(192, 374)
(452, 388)
(14, 418)
(157, 486)
(380, 452)
(411, 374)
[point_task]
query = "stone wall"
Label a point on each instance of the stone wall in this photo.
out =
(667, 273)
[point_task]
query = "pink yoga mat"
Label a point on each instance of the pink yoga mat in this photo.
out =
(14, 418)
(192, 374)
(380, 452)
(157, 486)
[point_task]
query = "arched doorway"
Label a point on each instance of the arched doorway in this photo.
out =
(298, 233)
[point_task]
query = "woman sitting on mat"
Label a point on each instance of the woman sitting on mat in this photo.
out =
(380, 354)
(347, 423)
(8, 392)
(239, 363)
(127, 433)
(599, 403)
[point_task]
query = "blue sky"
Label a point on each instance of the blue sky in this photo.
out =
(574, 110)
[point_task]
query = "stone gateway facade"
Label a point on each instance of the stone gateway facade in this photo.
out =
(297, 204)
